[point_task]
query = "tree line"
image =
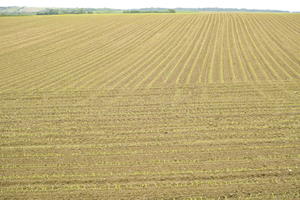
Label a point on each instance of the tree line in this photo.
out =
(60, 11)
(15, 10)
(150, 11)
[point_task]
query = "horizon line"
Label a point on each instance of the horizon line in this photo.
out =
(154, 8)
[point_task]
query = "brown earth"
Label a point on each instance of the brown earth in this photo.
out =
(150, 106)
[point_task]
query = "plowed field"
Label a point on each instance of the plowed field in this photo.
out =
(150, 106)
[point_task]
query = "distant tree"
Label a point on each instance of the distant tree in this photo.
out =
(49, 12)
(172, 10)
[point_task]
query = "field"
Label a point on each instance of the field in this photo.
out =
(150, 106)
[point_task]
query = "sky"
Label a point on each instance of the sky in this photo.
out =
(290, 5)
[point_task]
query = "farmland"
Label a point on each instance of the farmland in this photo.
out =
(150, 106)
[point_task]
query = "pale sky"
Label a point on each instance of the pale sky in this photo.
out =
(291, 5)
